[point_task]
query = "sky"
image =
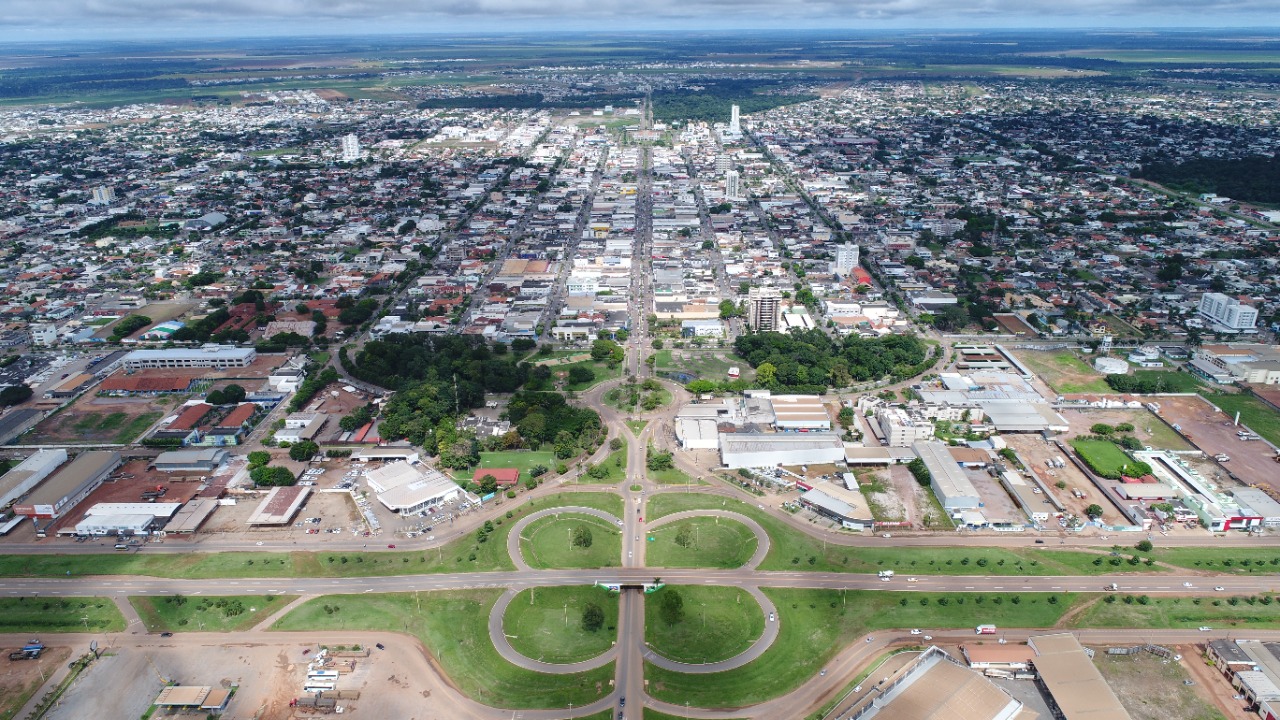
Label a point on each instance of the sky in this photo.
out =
(40, 20)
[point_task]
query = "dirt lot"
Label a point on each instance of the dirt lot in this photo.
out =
(1034, 451)
(997, 505)
(336, 509)
(97, 420)
(129, 490)
(19, 680)
(1151, 688)
(1215, 433)
(1146, 427)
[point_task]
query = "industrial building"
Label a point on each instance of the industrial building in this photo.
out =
(280, 505)
(843, 503)
(1253, 667)
(408, 488)
(24, 476)
(191, 516)
(301, 426)
(125, 518)
(1072, 684)
(935, 686)
(193, 698)
(202, 461)
(799, 413)
(70, 485)
(208, 356)
(950, 484)
(739, 450)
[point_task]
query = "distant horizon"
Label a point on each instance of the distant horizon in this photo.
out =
(228, 31)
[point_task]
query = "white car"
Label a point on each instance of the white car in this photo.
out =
(886, 535)
(1205, 628)
(1219, 588)
(928, 637)
(911, 579)
(916, 632)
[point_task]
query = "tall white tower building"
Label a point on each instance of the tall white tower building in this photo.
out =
(846, 259)
(350, 148)
(735, 127)
(732, 185)
(104, 195)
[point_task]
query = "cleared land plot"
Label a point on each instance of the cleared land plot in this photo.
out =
(1151, 688)
(816, 624)
(547, 623)
(793, 550)
(1065, 371)
(705, 364)
(1251, 462)
(230, 613)
(571, 540)
(116, 421)
(1146, 427)
(69, 614)
(716, 623)
(453, 626)
(1035, 450)
(700, 542)
(1181, 612)
(20, 680)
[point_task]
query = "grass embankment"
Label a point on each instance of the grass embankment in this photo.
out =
(651, 714)
(613, 467)
(637, 426)
(717, 623)
(816, 624)
(673, 476)
(700, 542)
(571, 540)
(547, 623)
(465, 554)
(791, 549)
(207, 613)
(1138, 611)
(71, 614)
(1240, 561)
(453, 626)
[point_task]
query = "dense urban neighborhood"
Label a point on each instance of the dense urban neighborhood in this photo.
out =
(705, 388)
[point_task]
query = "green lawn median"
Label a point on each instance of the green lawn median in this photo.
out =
(792, 549)
(553, 624)
(713, 623)
(709, 542)
(571, 540)
(817, 624)
(206, 613)
(1124, 610)
(453, 626)
(32, 615)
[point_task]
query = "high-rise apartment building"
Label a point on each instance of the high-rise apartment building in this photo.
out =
(735, 125)
(846, 259)
(1227, 313)
(104, 195)
(350, 148)
(732, 185)
(764, 309)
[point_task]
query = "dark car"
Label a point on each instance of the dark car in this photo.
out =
(166, 634)
(1039, 542)
(622, 702)
(380, 646)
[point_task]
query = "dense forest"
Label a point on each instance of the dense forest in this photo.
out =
(803, 361)
(712, 102)
(545, 417)
(1252, 179)
(399, 362)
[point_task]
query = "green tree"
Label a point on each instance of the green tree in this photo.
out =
(766, 373)
(1094, 511)
(671, 607)
(581, 536)
(258, 458)
(580, 375)
(488, 485)
(592, 617)
(15, 394)
(303, 450)
(1144, 546)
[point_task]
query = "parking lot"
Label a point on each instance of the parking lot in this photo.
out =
(1035, 450)
(1216, 432)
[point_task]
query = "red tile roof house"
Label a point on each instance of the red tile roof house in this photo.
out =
(506, 477)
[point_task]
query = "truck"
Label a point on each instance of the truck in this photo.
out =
(886, 574)
(985, 630)
(1112, 586)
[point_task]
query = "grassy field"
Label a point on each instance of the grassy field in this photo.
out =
(114, 427)
(674, 476)
(1253, 412)
(1182, 612)
(615, 464)
(602, 370)
(520, 459)
(718, 623)
(707, 542)
(1104, 456)
(208, 613)
(453, 626)
(1241, 561)
(816, 624)
(546, 623)
(33, 615)
(547, 542)
(706, 364)
(1176, 382)
(466, 554)
(791, 549)
(637, 426)
(1064, 371)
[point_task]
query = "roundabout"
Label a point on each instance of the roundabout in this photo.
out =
(546, 629)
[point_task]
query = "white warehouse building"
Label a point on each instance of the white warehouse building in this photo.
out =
(950, 484)
(748, 450)
(404, 488)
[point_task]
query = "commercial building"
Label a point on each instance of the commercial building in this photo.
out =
(764, 308)
(202, 461)
(407, 488)
(125, 518)
(26, 475)
(1253, 363)
(301, 426)
(935, 686)
(208, 356)
(506, 477)
(843, 503)
(1073, 686)
(761, 450)
(1228, 314)
(903, 428)
(193, 698)
(70, 485)
(950, 484)
(191, 516)
(280, 505)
